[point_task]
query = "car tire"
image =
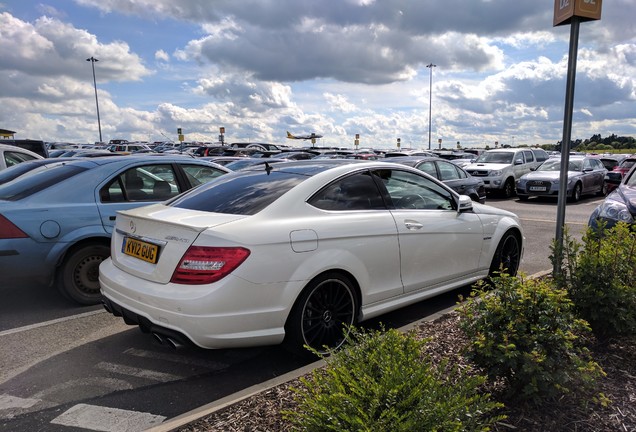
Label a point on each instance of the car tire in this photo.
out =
(326, 307)
(576, 193)
(507, 255)
(509, 188)
(78, 276)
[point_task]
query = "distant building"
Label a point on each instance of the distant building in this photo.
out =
(6, 134)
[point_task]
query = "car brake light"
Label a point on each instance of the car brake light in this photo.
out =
(203, 265)
(9, 230)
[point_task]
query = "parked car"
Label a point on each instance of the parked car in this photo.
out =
(12, 155)
(618, 206)
(501, 168)
(614, 177)
(56, 221)
(586, 176)
(36, 146)
(297, 252)
(449, 173)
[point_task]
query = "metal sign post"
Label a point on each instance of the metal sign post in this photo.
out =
(569, 12)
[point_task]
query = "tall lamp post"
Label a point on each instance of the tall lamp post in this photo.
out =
(99, 124)
(430, 102)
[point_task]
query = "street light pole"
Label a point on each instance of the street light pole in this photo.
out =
(430, 102)
(99, 124)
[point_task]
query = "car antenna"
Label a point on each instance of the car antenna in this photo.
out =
(268, 168)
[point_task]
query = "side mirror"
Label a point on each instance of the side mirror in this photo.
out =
(519, 162)
(464, 204)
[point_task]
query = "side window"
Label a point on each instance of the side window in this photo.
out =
(540, 155)
(14, 158)
(529, 156)
(447, 171)
(199, 174)
(145, 183)
(587, 164)
(411, 191)
(428, 168)
(354, 192)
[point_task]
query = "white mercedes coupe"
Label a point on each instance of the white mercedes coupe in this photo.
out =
(296, 252)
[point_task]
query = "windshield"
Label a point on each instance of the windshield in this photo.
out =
(495, 157)
(555, 165)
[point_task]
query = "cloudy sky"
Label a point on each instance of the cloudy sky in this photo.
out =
(259, 68)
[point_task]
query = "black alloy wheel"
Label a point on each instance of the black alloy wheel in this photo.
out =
(322, 315)
(576, 193)
(507, 256)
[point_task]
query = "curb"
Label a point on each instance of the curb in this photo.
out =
(217, 405)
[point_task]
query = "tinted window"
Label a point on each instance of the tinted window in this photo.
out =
(13, 158)
(540, 155)
(354, 192)
(245, 194)
(429, 168)
(528, 155)
(448, 171)
(144, 183)
(30, 184)
(411, 191)
(199, 174)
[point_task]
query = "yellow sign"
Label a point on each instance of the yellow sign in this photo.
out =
(587, 10)
(181, 137)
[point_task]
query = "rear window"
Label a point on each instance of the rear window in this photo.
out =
(245, 194)
(32, 183)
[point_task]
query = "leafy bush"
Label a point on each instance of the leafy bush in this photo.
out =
(525, 333)
(600, 277)
(382, 381)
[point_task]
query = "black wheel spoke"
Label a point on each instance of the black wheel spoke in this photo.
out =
(328, 308)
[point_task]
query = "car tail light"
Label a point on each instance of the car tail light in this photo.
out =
(203, 265)
(9, 230)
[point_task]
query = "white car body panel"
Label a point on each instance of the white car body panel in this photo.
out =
(292, 242)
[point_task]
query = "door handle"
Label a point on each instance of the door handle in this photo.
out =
(413, 225)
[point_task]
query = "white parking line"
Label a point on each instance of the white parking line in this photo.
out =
(137, 372)
(96, 418)
(551, 221)
(11, 402)
(51, 322)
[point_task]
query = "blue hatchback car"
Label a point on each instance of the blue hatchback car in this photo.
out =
(56, 220)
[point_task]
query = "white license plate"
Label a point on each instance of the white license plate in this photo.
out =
(140, 249)
(538, 188)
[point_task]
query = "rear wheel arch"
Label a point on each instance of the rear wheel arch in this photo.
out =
(77, 271)
(330, 279)
(508, 251)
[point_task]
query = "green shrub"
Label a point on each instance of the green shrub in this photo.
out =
(525, 332)
(600, 277)
(382, 381)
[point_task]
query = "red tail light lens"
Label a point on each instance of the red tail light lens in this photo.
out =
(8, 230)
(203, 265)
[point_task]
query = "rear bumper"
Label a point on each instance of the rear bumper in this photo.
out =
(229, 315)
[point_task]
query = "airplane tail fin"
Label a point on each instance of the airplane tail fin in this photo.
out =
(290, 136)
